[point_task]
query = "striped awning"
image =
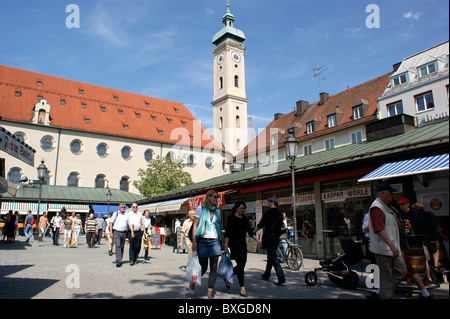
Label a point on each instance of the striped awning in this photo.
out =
(408, 167)
(24, 207)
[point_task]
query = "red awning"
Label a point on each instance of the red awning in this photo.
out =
(196, 201)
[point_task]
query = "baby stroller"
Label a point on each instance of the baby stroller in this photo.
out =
(338, 267)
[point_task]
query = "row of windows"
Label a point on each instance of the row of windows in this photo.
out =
(15, 174)
(103, 150)
(423, 102)
(332, 119)
(330, 143)
(421, 71)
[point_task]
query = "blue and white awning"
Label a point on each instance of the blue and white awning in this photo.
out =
(409, 167)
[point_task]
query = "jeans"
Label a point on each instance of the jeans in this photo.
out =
(272, 241)
(28, 231)
(55, 236)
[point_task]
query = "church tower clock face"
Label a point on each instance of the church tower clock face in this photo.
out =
(220, 59)
(236, 57)
(229, 101)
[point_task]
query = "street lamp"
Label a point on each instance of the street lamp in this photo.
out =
(41, 170)
(291, 146)
(108, 197)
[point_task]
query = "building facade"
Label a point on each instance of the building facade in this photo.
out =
(419, 87)
(91, 136)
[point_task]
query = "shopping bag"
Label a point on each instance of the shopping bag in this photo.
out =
(73, 240)
(194, 270)
(226, 268)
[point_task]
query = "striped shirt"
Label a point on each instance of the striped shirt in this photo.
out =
(91, 226)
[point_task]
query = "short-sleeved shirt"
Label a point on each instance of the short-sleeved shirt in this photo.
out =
(91, 226)
(120, 221)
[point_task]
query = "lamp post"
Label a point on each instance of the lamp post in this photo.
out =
(291, 146)
(108, 197)
(41, 170)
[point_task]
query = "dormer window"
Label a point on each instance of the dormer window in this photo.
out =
(310, 128)
(116, 98)
(39, 83)
(399, 79)
(358, 112)
(427, 69)
(331, 120)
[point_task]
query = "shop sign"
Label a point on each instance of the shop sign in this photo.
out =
(347, 193)
(299, 199)
(196, 201)
(10, 145)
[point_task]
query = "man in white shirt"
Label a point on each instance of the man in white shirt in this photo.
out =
(136, 224)
(56, 225)
(119, 228)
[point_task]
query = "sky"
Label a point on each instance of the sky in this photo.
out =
(163, 48)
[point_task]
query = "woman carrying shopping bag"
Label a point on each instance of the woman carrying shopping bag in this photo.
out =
(206, 241)
(238, 226)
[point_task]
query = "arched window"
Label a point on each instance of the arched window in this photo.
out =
(221, 123)
(100, 181)
(125, 184)
(14, 175)
(73, 178)
(221, 83)
(41, 117)
(236, 81)
(238, 144)
(238, 121)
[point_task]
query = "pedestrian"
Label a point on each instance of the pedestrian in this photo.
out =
(272, 221)
(109, 236)
(10, 226)
(429, 228)
(56, 227)
(43, 223)
(286, 229)
(187, 224)
(385, 240)
(100, 227)
(16, 227)
(90, 228)
(136, 226)
(147, 235)
(77, 224)
(119, 228)
(408, 214)
(206, 241)
(235, 240)
(67, 229)
(28, 226)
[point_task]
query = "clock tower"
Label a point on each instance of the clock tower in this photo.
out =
(230, 101)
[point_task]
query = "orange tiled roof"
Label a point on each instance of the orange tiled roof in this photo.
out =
(341, 103)
(109, 111)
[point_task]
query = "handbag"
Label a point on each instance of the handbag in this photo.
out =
(225, 269)
(194, 270)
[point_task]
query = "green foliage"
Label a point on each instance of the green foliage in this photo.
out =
(162, 175)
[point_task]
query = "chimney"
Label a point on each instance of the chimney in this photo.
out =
(323, 98)
(277, 116)
(301, 107)
(396, 66)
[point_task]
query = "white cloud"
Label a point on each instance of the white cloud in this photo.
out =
(411, 15)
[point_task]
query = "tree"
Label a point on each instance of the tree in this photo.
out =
(162, 175)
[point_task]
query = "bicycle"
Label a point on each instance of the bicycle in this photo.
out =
(293, 257)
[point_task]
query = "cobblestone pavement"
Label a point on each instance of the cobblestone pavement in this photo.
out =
(44, 271)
